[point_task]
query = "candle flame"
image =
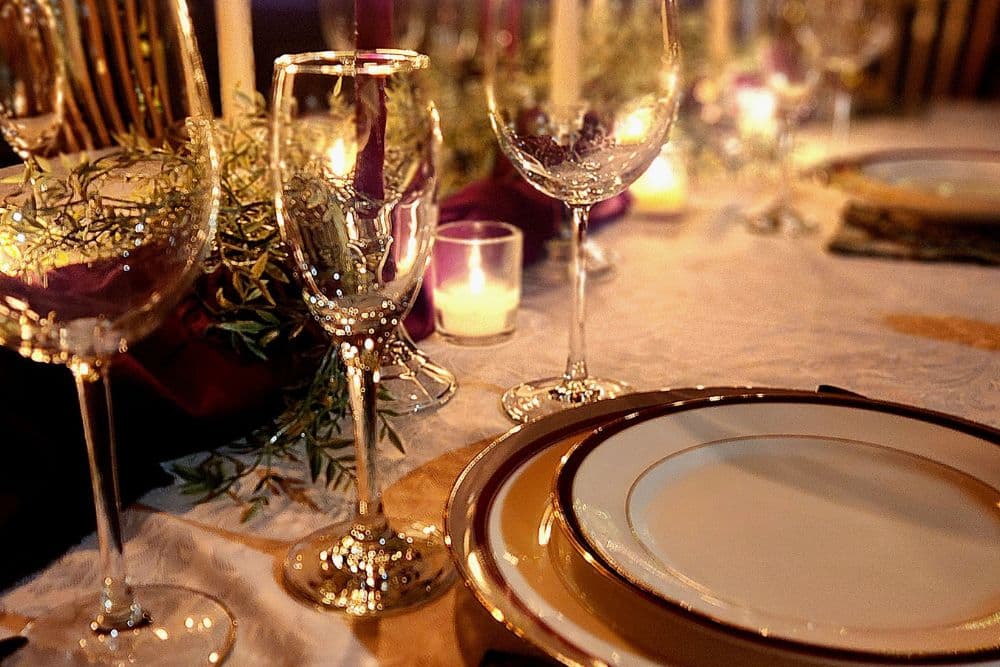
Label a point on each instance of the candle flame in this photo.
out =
(477, 279)
(634, 128)
(757, 109)
(663, 187)
(341, 157)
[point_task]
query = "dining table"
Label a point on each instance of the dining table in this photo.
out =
(694, 299)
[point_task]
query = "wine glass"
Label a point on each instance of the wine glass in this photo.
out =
(850, 35)
(92, 258)
(354, 143)
(581, 96)
(32, 77)
(771, 87)
(411, 380)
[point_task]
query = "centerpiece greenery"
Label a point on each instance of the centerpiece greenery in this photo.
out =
(257, 305)
(248, 289)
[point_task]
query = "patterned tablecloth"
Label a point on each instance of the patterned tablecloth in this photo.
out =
(695, 299)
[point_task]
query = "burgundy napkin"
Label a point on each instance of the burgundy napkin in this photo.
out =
(505, 196)
(86, 289)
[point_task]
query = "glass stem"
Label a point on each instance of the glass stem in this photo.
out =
(576, 363)
(787, 173)
(842, 102)
(119, 609)
(362, 385)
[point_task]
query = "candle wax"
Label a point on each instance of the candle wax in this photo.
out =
(469, 310)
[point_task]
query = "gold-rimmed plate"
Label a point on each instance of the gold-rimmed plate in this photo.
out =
(861, 528)
(527, 574)
(938, 185)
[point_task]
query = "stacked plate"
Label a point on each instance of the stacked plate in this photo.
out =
(738, 527)
(942, 186)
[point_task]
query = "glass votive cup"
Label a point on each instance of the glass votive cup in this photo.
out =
(476, 281)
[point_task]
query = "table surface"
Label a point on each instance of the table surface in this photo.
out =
(695, 300)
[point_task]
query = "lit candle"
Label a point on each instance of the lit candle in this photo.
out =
(234, 32)
(634, 127)
(757, 112)
(565, 52)
(466, 311)
(662, 189)
(475, 275)
(472, 306)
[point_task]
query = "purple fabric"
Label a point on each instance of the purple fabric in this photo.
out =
(507, 197)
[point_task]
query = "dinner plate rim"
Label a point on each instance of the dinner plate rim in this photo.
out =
(889, 155)
(562, 502)
(539, 435)
(930, 153)
(977, 210)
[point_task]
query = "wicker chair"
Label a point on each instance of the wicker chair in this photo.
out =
(944, 48)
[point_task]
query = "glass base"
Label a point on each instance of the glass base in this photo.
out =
(345, 569)
(781, 218)
(186, 628)
(538, 398)
(411, 379)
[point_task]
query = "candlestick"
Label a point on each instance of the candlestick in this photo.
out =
(476, 280)
(566, 53)
(234, 30)
(719, 22)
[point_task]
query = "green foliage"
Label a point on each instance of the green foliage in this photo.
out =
(249, 289)
(256, 302)
(258, 307)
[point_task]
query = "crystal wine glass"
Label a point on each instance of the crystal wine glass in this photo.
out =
(772, 87)
(92, 257)
(354, 143)
(581, 96)
(850, 35)
(32, 77)
(411, 380)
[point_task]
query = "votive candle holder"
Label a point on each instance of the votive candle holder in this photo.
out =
(476, 281)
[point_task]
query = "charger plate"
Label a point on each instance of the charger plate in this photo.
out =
(940, 185)
(855, 526)
(523, 568)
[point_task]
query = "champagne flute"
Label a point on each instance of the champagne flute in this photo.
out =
(582, 96)
(91, 260)
(32, 77)
(354, 145)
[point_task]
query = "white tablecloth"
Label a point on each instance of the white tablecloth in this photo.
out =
(695, 300)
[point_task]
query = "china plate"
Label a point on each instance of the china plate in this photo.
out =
(527, 574)
(944, 185)
(851, 525)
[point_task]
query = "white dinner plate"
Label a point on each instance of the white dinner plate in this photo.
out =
(850, 525)
(940, 185)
